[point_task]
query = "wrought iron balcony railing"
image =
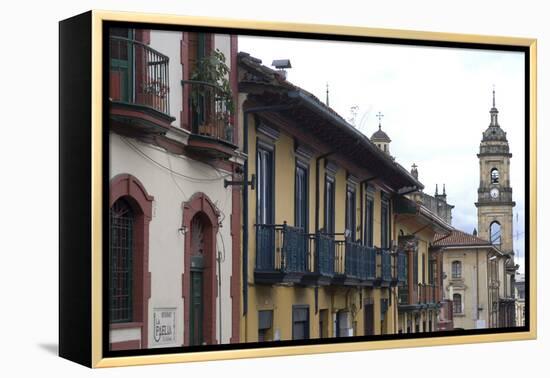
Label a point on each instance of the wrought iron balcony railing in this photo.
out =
(280, 248)
(321, 254)
(403, 295)
(138, 75)
(210, 110)
(385, 273)
(401, 267)
(320, 257)
(360, 261)
(426, 293)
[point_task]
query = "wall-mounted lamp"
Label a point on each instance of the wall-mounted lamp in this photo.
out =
(182, 230)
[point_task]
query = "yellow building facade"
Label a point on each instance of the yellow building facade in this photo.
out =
(420, 296)
(321, 257)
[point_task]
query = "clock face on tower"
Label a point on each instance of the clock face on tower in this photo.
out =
(494, 193)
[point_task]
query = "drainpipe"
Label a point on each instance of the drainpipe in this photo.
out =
(219, 260)
(477, 285)
(246, 112)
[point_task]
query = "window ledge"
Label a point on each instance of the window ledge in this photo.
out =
(125, 325)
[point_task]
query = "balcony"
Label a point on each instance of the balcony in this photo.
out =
(321, 252)
(286, 254)
(280, 254)
(384, 276)
(210, 120)
(355, 264)
(138, 88)
(401, 268)
(426, 295)
(421, 296)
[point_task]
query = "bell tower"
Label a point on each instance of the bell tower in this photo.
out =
(494, 195)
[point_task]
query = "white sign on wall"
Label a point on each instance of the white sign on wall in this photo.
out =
(164, 326)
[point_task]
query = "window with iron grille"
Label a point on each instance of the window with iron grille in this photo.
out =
(121, 250)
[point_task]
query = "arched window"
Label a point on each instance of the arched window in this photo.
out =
(457, 304)
(494, 176)
(494, 231)
(121, 256)
(129, 282)
(456, 269)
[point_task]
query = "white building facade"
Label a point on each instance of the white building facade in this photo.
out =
(174, 269)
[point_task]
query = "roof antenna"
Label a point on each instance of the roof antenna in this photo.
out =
(327, 95)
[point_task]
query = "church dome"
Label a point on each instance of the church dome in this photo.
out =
(494, 133)
(380, 136)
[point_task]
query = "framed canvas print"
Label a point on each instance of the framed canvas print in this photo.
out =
(232, 189)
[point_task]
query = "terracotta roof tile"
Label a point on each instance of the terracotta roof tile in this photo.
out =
(458, 237)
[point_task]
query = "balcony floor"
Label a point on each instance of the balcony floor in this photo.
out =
(134, 119)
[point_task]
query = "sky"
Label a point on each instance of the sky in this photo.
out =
(435, 104)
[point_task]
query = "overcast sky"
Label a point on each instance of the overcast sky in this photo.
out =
(435, 103)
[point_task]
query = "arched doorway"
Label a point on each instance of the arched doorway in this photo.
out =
(200, 219)
(200, 251)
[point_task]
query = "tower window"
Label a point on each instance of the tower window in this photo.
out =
(494, 231)
(494, 176)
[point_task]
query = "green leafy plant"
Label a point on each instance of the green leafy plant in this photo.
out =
(213, 70)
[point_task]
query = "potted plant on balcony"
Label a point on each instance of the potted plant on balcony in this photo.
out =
(213, 99)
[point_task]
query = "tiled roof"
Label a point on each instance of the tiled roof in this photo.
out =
(458, 238)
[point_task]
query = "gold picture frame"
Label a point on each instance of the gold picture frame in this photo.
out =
(91, 25)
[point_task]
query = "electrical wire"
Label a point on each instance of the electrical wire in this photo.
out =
(185, 197)
(193, 179)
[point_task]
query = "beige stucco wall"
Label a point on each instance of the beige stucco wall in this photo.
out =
(501, 214)
(472, 286)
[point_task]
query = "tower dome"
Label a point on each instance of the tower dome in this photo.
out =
(380, 138)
